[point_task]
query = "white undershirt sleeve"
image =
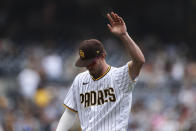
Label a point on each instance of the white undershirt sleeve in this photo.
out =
(66, 121)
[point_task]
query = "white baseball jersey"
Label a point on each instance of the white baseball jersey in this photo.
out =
(103, 104)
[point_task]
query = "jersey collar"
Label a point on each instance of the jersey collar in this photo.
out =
(109, 67)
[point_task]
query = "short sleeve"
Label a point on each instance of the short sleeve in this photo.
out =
(122, 78)
(70, 100)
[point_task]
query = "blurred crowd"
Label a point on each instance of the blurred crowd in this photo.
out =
(34, 80)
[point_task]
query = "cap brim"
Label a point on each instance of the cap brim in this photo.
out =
(83, 63)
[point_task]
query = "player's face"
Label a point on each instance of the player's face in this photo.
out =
(95, 67)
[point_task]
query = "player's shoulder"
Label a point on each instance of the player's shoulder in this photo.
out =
(113, 69)
(81, 75)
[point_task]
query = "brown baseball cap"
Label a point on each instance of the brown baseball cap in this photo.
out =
(88, 51)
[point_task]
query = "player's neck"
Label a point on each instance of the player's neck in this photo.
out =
(104, 69)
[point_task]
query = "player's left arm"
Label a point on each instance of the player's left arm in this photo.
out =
(117, 27)
(67, 120)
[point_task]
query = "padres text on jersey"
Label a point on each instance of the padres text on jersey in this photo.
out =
(99, 97)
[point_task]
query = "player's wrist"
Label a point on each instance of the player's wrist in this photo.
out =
(123, 35)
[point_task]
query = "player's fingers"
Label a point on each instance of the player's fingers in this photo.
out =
(110, 18)
(113, 16)
(121, 20)
(109, 27)
(116, 16)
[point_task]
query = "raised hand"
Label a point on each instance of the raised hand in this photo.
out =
(117, 25)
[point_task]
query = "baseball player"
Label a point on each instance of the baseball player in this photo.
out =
(102, 95)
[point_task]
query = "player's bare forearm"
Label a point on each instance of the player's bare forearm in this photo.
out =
(134, 51)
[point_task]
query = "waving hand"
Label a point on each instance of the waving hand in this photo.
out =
(117, 25)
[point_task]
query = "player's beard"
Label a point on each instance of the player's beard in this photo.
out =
(96, 74)
(95, 71)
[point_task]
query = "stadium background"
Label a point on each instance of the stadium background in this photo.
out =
(38, 48)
